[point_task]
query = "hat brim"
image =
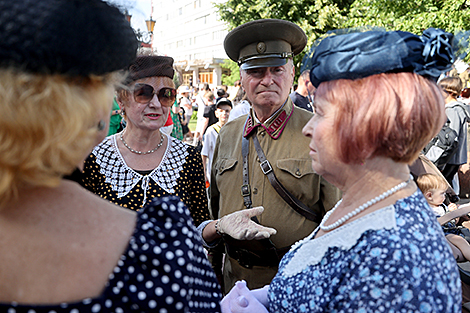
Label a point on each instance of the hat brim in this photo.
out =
(258, 62)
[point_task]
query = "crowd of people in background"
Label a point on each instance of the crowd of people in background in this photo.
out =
(279, 196)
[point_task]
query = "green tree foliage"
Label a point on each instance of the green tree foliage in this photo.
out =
(411, 15)
(229, 80)
(316, 17)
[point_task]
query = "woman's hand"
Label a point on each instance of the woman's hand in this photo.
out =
(239, 225)
(241, 300)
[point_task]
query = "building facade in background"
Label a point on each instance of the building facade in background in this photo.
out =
(191, 32)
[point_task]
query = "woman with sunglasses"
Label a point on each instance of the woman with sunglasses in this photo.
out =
(140, 163)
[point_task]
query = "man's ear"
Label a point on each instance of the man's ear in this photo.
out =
(306, 83)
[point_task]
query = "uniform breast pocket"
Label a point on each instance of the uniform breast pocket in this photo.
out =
(226, 175)
(225, 165)
(296, 175)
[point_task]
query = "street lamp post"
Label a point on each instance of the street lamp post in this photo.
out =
(150, 25)
(128, 16)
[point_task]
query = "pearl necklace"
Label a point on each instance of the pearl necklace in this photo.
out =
(141, 152)
(361, 208)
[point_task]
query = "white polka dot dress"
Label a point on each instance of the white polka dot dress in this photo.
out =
(164, 270)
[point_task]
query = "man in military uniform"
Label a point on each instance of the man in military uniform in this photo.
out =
(264, 51)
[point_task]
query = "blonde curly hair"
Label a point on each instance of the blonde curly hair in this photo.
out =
(48, 124)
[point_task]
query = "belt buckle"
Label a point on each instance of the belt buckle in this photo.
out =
(266, 167)
(246, 190)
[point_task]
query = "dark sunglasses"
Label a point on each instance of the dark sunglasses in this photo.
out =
(144, 93)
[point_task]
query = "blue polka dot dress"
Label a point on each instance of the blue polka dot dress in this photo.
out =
(163, 270)
(395, 259)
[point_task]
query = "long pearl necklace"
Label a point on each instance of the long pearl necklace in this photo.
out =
(361, 208)
(141, 152)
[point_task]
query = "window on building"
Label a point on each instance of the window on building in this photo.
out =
(186, 78)
(180, 11)
(218, 35)
(202, 19)
(206, 77)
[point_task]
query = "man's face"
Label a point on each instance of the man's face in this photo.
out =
(268, 86)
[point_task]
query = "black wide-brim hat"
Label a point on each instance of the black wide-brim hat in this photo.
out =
(264, 43)
(70, 37)
(362, 54)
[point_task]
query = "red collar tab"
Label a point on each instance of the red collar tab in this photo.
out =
(249, 127)
(274, 129)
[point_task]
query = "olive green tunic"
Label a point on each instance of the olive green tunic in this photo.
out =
(287, 150)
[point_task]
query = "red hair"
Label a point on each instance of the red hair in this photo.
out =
(392, 115)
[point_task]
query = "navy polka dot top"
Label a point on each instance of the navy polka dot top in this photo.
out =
(164, 269)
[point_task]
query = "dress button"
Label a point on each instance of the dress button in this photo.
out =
(255, 191)
(298, 172)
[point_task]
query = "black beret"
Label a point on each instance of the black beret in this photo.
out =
(262, 39)
(358, 55)
(149, 66)
(71, 37)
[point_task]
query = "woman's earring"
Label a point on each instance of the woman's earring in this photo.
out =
(123, 112)
(101, 125)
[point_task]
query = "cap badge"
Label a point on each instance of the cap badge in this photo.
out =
(261, 47)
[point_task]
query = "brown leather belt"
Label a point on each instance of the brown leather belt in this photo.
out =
(248, 259)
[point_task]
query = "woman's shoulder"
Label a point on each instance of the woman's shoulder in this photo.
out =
(181, 148)
(459, 108)
(162, 268)
(409, 219)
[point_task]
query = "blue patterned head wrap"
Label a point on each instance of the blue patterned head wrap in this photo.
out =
(358, 55)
